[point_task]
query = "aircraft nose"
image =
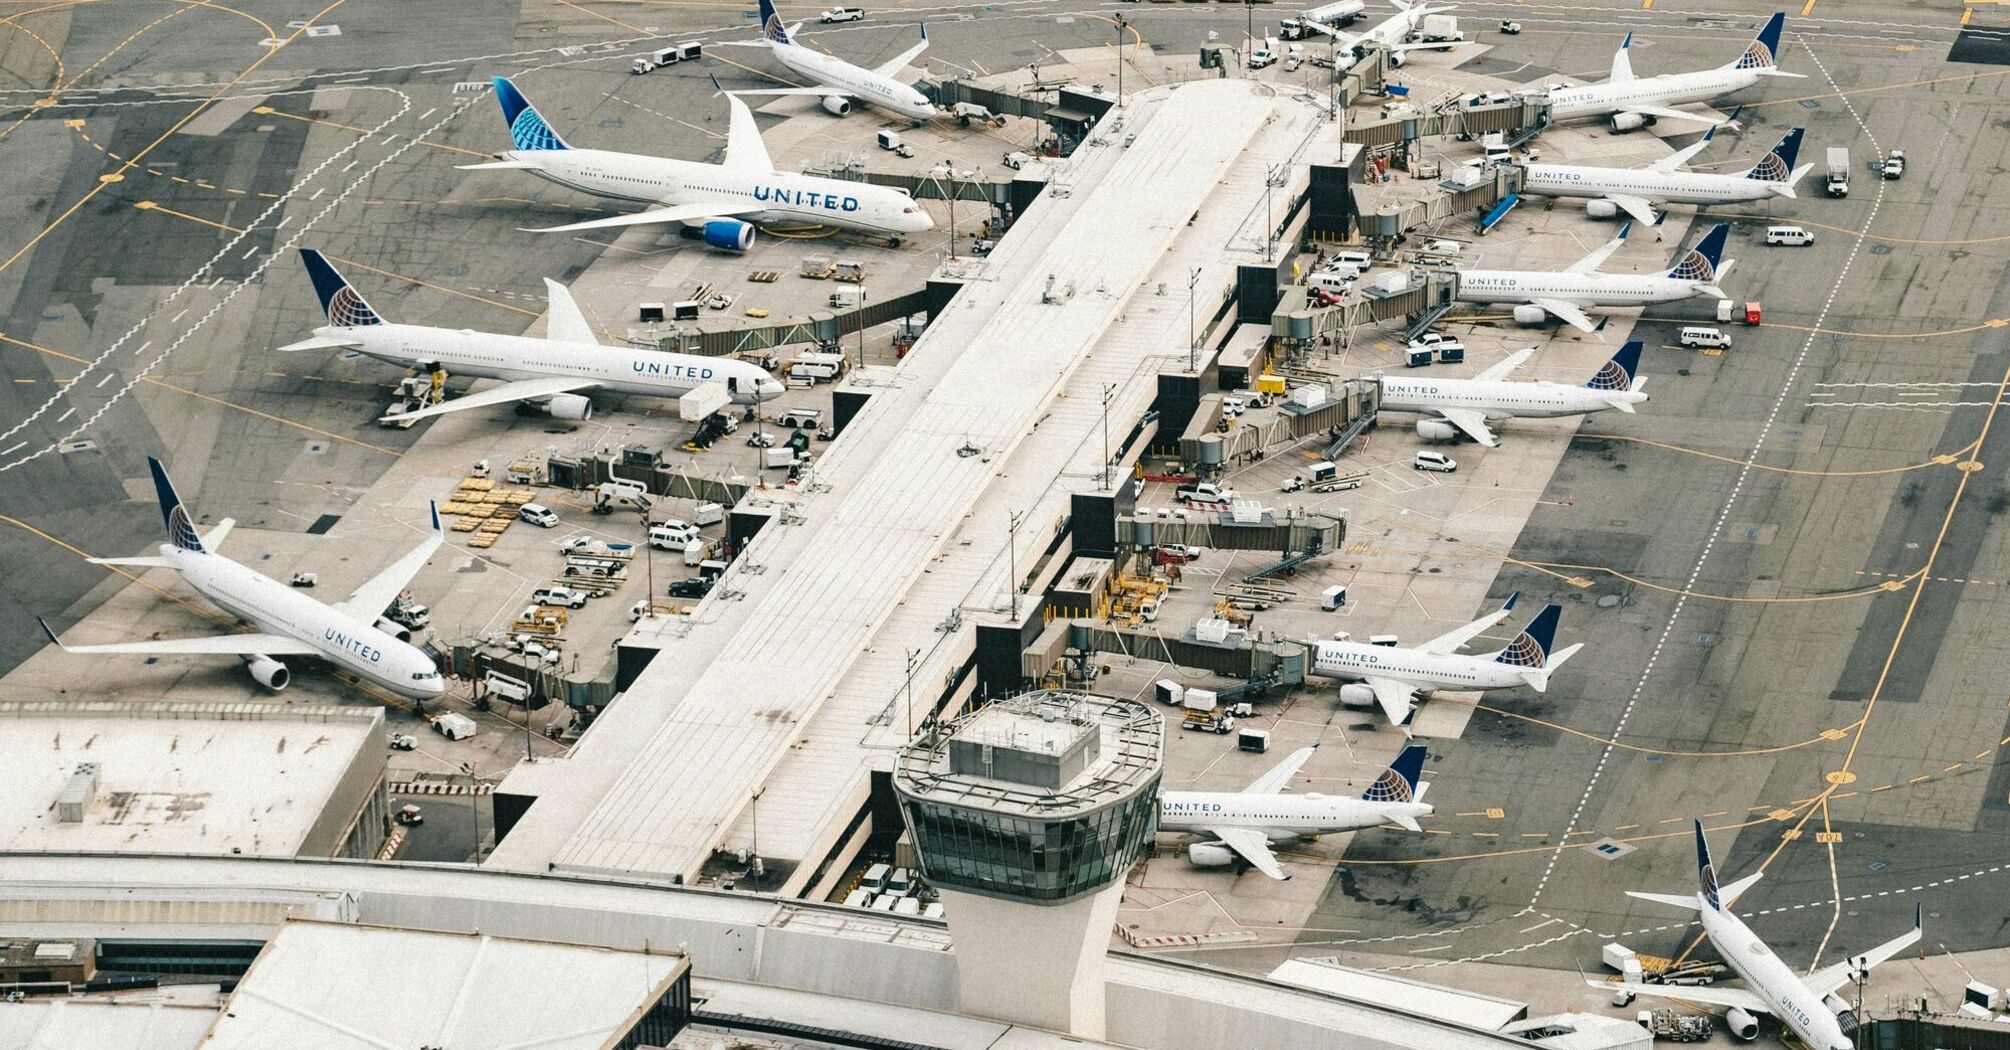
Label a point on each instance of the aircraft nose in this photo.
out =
(770, 389)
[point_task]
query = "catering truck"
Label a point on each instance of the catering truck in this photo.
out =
(1838, 171)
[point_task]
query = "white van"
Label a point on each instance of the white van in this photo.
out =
(875, 878)
(907, 906)
(672, 535)
(858, 899)
(900, 883)
(696, 551)
(1338, 283)
(815, 370)
(1699, 337)
(1435, 461)
(1342, 262)
(1791, 236)
(538, 514)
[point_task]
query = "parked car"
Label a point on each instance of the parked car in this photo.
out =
(567, 597)
(694, 587)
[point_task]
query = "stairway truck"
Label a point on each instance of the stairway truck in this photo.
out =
(1838, 183)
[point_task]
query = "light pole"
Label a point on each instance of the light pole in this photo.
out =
(913, 661)
(1269, 224)
(1248, 33)
(1012, 553)
(1120, 61)
(1109, 391)
(475, 800)
(1192, 340)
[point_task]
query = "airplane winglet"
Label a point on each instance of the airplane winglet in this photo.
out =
(51, 633)
(433, 507)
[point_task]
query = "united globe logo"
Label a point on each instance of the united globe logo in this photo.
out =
(1389, 787)
(1610, 377)
(1522, 652)
(1757, 56)
(1770, 168)
(348, 310)
(1694, 267)
(529, 131)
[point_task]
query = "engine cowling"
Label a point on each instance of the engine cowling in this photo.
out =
(1436, 430)
(1396, 58)
(1629, 121)
(1741, 1023)
(1601, 209)
(1846, 1018)
(1209, 855)
(268, 672)
(837, 105)
(569, 406)
(1531, 316)
(730, 234)
(1355, 694)
(394, 628)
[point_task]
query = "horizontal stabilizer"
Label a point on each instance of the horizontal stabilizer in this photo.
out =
(320, 342)
(655, 216)
(1673, 900)
(149, 562)
(502, 165)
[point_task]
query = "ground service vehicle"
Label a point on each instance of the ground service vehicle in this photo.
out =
(1697, 337)
(1205, 493)
(1838, 171)
(1436, 462)
(1791, 236)
(562, 596)
(841, 14)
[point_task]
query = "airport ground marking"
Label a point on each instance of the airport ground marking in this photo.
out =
(268, 111)
(1941, 460)
(120, 570)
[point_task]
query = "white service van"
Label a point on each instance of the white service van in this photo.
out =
(875, 878)
(672, 535)
(817, 367)
(1791, 236)
(538, 514)
(1699, 337)
(801, 418)
(1337, 283)
(1435, 461)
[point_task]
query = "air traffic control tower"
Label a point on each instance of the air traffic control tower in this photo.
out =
(1026, 815)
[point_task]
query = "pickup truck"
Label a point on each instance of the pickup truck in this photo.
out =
(841, 14)
(563, 596)
(1206, 494)
(1894, 165)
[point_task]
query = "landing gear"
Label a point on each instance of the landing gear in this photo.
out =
(893, 241)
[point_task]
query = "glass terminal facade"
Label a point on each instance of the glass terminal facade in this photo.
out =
(1020, 836)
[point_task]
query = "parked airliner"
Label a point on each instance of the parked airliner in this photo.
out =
(1452, 407)
(1808, 1005)
(1629, 102)
(1637, 190)
(1564, 294)
(1245, 823)
(1389, 34)
(839, 83)
(555, 371)
(719, 202)
(1391, 676)
(352, 634)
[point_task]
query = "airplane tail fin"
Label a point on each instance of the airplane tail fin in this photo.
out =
(1530, 648)
(1764, 50)
(1778, 163)
(340, 300)
(1618, 374)
(1398, 783)
(772, 29)
(174, 514)
(527, 130)
(1706, 870)
(1700, 263)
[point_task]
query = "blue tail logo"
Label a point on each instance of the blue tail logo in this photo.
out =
(343, 304)
(771, 25)
(1530, 648)
(527, 130)
(1398, 783)
(1706, 872)
(1764, 50)
(1778, 164)
(1700, 263)
(1617, 374)
(180, 529)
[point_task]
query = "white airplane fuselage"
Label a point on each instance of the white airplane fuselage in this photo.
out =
(864, 85)
(1581, 289)
(1278, 816)
(787, 196)
(1668, 89)
(1786, 997)
(1422, 670)
(1680, 187)
(1500, 398)
(340, 639)
(651, 373)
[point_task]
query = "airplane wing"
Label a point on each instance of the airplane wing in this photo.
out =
(1674, 161)
(1472, 422)
(1708, 995)
(893, 68)
(1501, 368)
(1273, 782)
(1640, 208)
(320, 342)
(521, 390)
(1452, 641)
(1254, 848)
(1570, 313)
(370, 600)
(1676, 114)
(745, 151)
(1394, 697)
(214, 645)
(567, 324)
(674, 213)
(1834, 976)
(818, 92)
(1596, 258)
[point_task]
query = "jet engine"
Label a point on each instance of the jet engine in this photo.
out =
(1601, 209)
(1845, 1017)
(1210, 855)
(558, 406)
(1396, 58)
(1741, 1023)
(394, 628)
(730, 234)
(1630, 121)
(837, 105)
(1355, 694)
(268, 672)
(1436, 430)
(1532, 316)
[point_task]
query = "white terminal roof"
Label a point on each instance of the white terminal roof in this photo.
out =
(102, 1024)
(176, 777)
(998, 408)
(335, 986)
